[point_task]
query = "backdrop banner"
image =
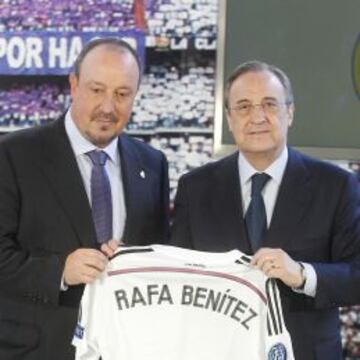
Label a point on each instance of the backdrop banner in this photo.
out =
(48, 53)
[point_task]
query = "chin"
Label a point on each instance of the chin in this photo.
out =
(101, 139)
(260, 146)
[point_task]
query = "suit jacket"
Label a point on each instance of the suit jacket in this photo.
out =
(316, 219)
(44, 216)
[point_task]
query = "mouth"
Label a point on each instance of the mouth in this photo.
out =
(259, 132)
(104, 121)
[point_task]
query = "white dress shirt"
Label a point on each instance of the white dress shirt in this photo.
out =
(80, 146)
(270, 192)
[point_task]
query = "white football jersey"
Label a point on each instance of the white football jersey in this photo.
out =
(167, 303)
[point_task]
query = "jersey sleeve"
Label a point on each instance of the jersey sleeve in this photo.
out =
(278, 341)
(85, 337)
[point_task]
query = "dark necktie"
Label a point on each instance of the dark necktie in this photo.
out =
(255, 217)
(101, 204)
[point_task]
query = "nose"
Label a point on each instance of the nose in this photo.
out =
(107, 104)
(258, 114)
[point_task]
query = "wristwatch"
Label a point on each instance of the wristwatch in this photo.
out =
(303, 275)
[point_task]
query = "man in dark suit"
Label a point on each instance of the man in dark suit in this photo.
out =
(49, 238)
(310, 211)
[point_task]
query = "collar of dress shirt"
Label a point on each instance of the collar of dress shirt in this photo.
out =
(81, 145)
(275, 170)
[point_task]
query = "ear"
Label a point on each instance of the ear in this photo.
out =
(291, 111)
(73, 80)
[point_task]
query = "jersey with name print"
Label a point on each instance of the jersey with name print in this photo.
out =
(168, 303)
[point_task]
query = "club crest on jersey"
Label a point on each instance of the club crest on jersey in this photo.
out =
(277, 352)
(79, 331)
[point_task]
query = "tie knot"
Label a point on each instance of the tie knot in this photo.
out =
(258, 182)
(98, 157)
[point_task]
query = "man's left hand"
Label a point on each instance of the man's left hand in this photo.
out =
(276, 263)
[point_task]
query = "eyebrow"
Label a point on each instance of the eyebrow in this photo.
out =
(98, 83)
(247, 100)
(92, 82)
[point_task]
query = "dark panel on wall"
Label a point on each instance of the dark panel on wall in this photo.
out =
(315, 43)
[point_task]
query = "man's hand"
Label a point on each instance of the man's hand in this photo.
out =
(276, 263)
(83, 266)
(109, 248)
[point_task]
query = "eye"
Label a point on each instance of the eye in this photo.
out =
(96, 90)
(271, 105)
(121, 95)
(244, 107)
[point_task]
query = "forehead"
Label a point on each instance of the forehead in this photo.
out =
(256, 85)
(106, 62)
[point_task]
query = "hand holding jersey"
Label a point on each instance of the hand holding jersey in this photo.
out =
(277, 264)
(83, 266)
(109, 248)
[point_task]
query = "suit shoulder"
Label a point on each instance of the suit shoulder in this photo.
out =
(144, 150)
(23, 137)
(212, 168)
(323, 172)
(322, 167)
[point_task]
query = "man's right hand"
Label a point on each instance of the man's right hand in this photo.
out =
(83, 266)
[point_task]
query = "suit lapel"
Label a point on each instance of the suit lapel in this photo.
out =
(60, 168)
(136, 177)
(294, 198)
(229, 205)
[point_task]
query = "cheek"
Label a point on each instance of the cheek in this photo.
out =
(242, 129)
(122, 115)
(124, 109)
(84, 102)
(281, 128)
(237, 126)
(285, 123)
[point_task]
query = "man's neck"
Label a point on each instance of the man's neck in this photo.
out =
(261, 161)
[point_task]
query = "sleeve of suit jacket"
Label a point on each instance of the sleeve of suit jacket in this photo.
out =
(23, 273)
(338, 280)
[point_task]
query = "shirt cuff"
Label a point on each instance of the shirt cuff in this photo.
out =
(63, 286)
(310, 282)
